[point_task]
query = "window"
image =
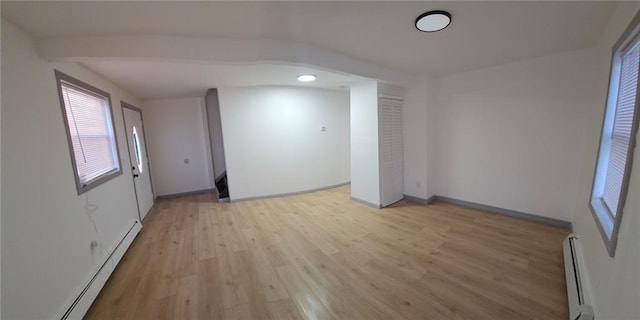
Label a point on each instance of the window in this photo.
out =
(136, 149)
(90, 132)
(619, 129)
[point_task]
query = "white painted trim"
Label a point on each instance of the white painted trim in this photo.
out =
(80, 305)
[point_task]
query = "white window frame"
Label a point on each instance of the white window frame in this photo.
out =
(609, 222)
(83, 187)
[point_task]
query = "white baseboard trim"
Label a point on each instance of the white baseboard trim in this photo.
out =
(81, 304)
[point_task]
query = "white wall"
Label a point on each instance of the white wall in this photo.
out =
(273, 143)
(46, 230)
(207, 146)
(390, 90)
(176, 131)
(419, 138)
(365, 166)
(414, 117)
(614, 282)
(510, 136)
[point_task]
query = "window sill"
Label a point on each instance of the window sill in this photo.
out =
(605, 224)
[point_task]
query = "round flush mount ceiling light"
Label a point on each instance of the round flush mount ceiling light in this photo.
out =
(433, 21)
(306, 77)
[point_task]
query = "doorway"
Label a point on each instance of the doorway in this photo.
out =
(138, 157)
(217, 145)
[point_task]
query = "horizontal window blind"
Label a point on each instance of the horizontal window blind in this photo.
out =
(92, 139)
(622, 128)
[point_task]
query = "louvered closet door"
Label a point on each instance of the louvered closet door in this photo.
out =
(391, 150)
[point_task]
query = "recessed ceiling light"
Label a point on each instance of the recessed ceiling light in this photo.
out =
(306, 77)
(433, 21)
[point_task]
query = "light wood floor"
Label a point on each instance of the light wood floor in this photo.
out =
(322, 256)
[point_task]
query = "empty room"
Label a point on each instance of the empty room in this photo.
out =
(320, 160)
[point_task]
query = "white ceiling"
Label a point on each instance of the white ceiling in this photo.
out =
(482, 33)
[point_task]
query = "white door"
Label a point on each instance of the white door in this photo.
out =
(392, 150)
(138, 156)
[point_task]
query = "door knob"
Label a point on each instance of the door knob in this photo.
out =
(135, 175)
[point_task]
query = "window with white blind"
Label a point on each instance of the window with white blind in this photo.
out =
(90, 132)
(617, 143)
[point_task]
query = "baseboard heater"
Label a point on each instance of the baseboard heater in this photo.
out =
(80, 305)
(578, 307)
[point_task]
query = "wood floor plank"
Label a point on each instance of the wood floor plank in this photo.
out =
(210, 288)
(205, 241)
(272, 287)
(305, 301)
(284, 310)
(323, 256)
(187, 298)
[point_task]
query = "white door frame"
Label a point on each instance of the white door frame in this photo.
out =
(146, 152)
